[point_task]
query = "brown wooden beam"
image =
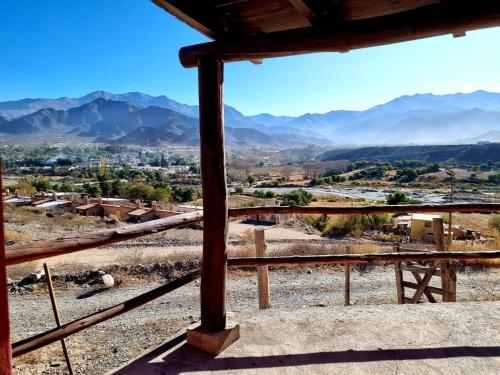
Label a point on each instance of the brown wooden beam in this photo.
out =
(304, 9)
(361, 258)
(215, 207)
(423, 22)
(5, 349)
(59, 333)
(379, 209)
(44, 249)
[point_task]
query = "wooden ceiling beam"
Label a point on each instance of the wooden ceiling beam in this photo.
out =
(304, 9)
(429, 21)
(176, 11)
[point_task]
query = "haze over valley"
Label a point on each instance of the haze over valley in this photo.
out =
(140, 119)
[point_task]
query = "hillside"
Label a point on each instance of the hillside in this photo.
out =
(410, 119)
(458, 153)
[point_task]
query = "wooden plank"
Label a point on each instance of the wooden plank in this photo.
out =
(44, 249)
(347, 284)
(421, 287)
(5, 348)
(262, 271)
(215, 207)
(417, 270)
(380, 209)
(360, 258)
(53, 302)
(361, 9)
(399, 278)
(423, 22)
(448, 276)
(58, 333)
(428, 288)
(304, 9)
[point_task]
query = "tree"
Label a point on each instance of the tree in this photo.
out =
(251, 179)
(298, 197)
(42, 184)
(160, 195)
(140, 191)
(398, 197)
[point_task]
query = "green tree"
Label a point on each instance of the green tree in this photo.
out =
(298, 197)
(160, 195)
(140, 191)
(398, 197)
(251, 179)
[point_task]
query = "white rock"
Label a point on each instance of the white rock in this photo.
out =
(108, 281)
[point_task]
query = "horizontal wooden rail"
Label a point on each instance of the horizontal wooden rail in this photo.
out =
(361, 258)
(43, 249)
(57, 334)
(432, 289)
(380, 209)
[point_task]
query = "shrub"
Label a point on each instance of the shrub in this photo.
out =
(355, 225)
(238, 190)
(398, 197)
(298, 197)
(494, 223)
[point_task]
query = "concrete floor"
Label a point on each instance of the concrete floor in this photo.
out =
(458, 338)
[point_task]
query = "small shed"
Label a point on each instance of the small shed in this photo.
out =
(89, 209)
(421, 227)
(140, 215)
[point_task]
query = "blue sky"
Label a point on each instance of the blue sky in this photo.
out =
(69, 48)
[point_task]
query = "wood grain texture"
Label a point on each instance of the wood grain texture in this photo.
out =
(59, 333)
(44, 249)
(422, 22)
(361, 258)
(350, 210)
(5, 349)
(214, 187)
(262, 272)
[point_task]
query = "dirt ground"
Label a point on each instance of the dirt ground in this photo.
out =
(114, 342)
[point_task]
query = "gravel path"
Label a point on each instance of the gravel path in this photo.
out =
(112, 343)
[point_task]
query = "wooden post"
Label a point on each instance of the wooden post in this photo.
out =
(347, 281)
(399, 279)
(262, 271)
(448, 276)
(215, 209)
(214, 334)
(5, 345)
(52, 295)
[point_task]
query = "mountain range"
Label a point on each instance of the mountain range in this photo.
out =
(138, 118)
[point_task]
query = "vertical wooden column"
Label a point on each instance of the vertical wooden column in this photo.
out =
(347, 280)
(262, 271)
(448, 276)
(5, 345)
(399, 278)
(215, 210)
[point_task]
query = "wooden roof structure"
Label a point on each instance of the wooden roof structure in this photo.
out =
(256, 29)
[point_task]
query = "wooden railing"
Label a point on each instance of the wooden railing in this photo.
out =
(49, 248)
(43, 249)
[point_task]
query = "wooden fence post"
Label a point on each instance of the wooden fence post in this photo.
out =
(52, 295)
(5, 345)
(347, 280)
(262, 271)
(399, 278)
(448, 276)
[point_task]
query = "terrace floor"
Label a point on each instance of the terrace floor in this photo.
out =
(445, 338)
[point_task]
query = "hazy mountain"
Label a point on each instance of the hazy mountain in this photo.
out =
(415, 119)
